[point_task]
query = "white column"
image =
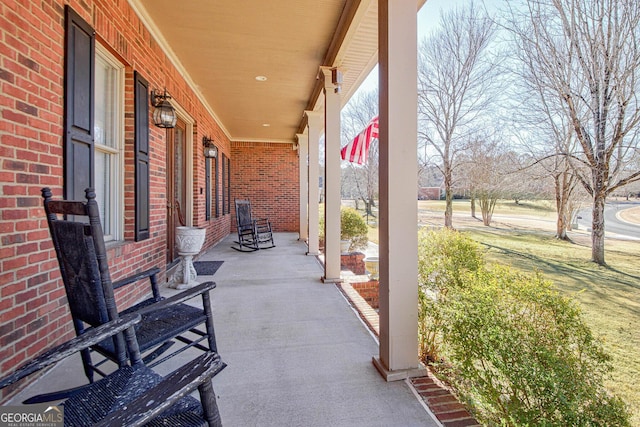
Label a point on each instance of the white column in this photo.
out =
(397, 38)
(303, 151)
(314, 122)
(332, 79)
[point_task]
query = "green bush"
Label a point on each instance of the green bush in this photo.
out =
(354, 228)
(443, 257)
(523, 355)
(513, 348)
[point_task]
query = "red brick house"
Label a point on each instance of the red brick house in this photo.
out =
(78, 80)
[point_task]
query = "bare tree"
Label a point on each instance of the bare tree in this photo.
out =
(355, 117)
(488, 173)
(546, 133)
(586, 54)
(455, 76)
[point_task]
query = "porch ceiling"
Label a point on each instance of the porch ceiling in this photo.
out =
(222, 46)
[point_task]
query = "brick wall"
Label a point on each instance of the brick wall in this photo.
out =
(353, 261)
(33, 311)
(369, 291)
(267, 174)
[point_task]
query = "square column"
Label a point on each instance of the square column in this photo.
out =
(397, 39)
(314, 123)
(332, 78)
(303, 165)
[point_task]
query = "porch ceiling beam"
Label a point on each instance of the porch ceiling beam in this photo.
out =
(347, 19)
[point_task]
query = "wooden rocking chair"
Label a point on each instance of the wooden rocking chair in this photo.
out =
(133, 395)
(79, 244)
(253, 234)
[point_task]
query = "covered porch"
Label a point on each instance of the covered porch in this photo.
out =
(262, 83)
(297, 352)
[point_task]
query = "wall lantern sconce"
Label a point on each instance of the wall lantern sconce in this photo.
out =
(210, 150)
(164, 115)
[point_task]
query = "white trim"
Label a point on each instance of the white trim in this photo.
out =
(155, 32)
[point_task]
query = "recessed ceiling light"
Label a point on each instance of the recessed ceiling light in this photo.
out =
(266, 125)
(261, 78)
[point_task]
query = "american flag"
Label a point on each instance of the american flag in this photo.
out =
(358, 149)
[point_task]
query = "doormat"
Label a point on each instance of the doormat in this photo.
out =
(207, 268)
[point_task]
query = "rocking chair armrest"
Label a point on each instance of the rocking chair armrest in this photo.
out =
(178, 298)
(171, 389)
(134, 278)
(70, 347)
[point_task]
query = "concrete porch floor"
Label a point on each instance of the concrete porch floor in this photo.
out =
(297, 353)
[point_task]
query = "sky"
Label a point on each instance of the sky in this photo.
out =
(428, 16)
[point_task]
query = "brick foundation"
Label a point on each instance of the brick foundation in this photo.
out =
(353, 261)
(368, 291)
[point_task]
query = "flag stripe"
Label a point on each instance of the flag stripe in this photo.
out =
(358, 149)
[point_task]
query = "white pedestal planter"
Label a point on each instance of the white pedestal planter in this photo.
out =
(372, 264)
(189, 241)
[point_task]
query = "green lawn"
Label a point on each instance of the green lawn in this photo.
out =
(609, 296)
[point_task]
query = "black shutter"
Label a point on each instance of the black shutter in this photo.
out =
(79, 70)
(217, 188)
(224, 185)
(228, 178)
(207, 164)
(141, 146)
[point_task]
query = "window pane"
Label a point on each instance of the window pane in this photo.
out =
(103, 190)
(106, 103)
(109, 93)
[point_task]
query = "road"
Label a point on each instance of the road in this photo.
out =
(612, 224)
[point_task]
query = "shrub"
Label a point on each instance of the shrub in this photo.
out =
(513, 348)
(443, 257)
(354, 228)
(522, 354)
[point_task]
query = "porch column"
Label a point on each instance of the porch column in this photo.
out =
(397, 39)
(303, 151)
(314, 122)
(332, 79)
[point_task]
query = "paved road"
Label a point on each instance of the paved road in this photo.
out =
(612, 223)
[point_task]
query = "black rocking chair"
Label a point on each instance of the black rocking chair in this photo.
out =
(82, 257)
(133, 395)
(253, 234)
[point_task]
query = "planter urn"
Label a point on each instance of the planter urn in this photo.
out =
(189, 241)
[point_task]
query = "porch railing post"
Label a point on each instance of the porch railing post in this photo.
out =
(332, 174)
(314, 123)
(397, 42)
(303, 165)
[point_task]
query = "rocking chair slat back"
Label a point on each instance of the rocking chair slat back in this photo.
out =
(78, 239)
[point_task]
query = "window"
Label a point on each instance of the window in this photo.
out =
(226, 185)
(211, 171)
(108, 141)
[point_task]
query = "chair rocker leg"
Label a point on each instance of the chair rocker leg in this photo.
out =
(241, 248)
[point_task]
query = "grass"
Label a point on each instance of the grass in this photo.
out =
(608, 296)
(523, 238)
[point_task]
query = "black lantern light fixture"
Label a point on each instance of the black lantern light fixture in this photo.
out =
(210, 150)
(164, 115)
